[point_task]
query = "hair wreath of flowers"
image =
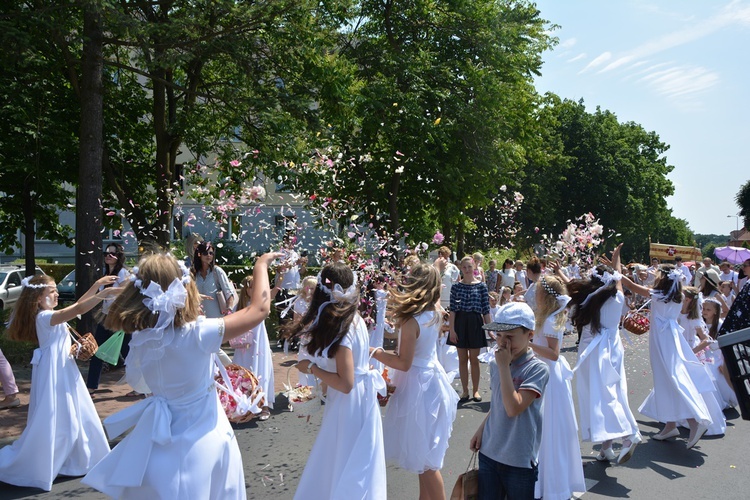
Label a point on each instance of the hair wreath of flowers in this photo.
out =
(25, 284)
(337, 295)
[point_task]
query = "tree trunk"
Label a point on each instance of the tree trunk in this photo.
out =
(89, 192)
(460, 240)
(29, 231)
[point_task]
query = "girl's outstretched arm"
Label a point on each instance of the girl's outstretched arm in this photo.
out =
(260, 303)
(87, 301)
(406, 345)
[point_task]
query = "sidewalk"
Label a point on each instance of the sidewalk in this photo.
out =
(110, 398)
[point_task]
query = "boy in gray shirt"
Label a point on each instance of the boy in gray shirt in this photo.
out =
(508, 438)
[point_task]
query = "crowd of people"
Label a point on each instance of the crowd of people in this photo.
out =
(448, 316)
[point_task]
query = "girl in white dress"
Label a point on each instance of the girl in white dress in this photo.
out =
(420, 413)
(346, 461)
(63, 434)
(300, 307)
(694, 332)
(377, 330)
(711, 312)
(181, 444)
(560, 465)
(253, 351)
(680, 380)
(601, 384)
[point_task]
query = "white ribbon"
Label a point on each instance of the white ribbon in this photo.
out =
(338, 294)
(165, 303)
(244, 402)
(605, 278)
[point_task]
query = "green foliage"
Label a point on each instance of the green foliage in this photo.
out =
(743, 202)
(38, 127)
(596, 164)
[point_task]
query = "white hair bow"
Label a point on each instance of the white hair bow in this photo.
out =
(165, 303)
(338, 294)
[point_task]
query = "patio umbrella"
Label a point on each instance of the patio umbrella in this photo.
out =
(733, 255)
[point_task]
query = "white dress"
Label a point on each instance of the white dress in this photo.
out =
(63, 433)
(600, 379)
(378, 329)
(300, 307)
(253, 351)
(560, 465)
(347, 460)
(680, 380)
(419, 418)
(181, 444)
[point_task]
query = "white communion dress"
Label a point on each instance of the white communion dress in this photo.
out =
(253, 351)
(181, 444)
(419, 418)
(347, 460)
(63, 433)
(560, 465)
(600, 379)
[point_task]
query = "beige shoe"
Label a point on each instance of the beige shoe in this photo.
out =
(13, 403)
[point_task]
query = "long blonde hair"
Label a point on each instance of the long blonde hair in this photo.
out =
(247, 282)
(546, 302)
(690, 292)
(23, 319)
(416, 293)
(130, 314)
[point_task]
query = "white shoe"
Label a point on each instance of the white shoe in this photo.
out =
(627, 451)
(663, 437)
(606, 455)
(698, 434)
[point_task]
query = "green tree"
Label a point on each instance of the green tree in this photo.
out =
(442, 97)
(617, 171)
(743, 202)
(38, 131)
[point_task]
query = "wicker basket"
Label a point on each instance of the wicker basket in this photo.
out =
(248, 391)
(84, 346)
(636, 323)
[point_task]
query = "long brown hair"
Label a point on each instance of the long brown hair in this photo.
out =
(23, 319)
(335, 317)
(580, 289)
(691, 293)
(663, 285)
(130, 314)
(416, 293)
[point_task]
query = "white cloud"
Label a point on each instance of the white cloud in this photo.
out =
(577, 58)
(599, 60)
(567, 44)
(681, 81)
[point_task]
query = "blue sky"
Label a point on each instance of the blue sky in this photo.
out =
(680, 69)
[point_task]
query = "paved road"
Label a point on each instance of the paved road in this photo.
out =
(275, 451)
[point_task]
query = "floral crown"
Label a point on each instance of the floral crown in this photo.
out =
(337, 295)
(25, 283)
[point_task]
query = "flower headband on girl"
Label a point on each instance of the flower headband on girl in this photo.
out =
(25, 283)
(606, 278)
(165, 303)
(338, 294)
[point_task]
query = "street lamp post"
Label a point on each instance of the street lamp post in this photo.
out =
(737, 221)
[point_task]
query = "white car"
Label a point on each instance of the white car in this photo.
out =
(10, 284)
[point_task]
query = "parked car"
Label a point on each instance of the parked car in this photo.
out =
(66, 288)
(10, 284)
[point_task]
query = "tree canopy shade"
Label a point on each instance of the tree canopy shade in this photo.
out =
(590, 162)
(38, 131)
(441, 98)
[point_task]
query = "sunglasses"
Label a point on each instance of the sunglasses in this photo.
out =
(110, 254)
(208, 253)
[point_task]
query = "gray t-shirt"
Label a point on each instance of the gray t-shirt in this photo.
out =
(515, 441)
